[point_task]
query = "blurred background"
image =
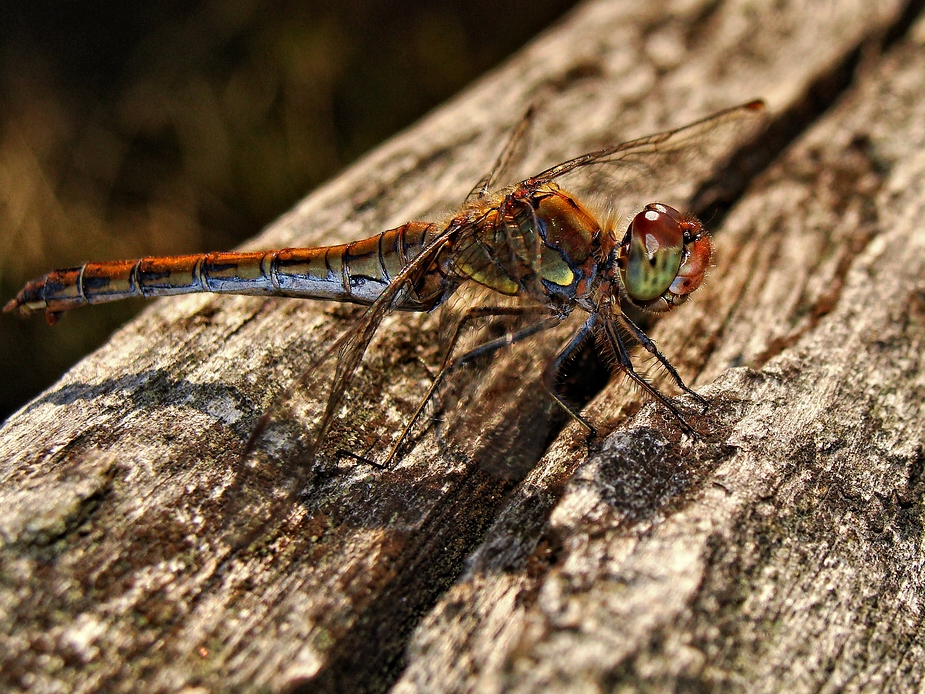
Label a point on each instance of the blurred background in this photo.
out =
(165, 127)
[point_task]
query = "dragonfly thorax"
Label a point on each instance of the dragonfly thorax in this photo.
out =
(538, 242)
(570, 237)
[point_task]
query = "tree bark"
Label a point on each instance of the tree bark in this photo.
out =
(778, 551)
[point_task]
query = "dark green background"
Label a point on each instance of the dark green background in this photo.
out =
(131, 129)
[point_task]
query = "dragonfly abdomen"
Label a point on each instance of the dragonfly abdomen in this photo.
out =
(94, 283)
(357, 272)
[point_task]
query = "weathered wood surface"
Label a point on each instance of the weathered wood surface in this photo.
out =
(780, 551)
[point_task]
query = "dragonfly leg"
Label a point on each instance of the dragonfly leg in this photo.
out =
(451, 363)
(650, 347)
(344, 453)
(625, 363)
(550, 376)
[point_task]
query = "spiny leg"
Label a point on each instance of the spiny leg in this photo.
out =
(626, 364)
(650, 347)
(549, 377)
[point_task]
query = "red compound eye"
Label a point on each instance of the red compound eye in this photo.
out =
(652, 251)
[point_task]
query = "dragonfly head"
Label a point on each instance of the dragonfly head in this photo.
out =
(663, 257)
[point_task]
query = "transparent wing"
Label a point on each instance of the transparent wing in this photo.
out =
(502, 249)
(348, 349)
(281, 451)
(511, 154)
(499, 397)
(636, 172)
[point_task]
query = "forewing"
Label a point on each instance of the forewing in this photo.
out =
(634, 173)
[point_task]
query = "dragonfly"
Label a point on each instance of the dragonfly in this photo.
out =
(540, 247)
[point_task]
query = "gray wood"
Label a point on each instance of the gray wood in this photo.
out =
(778, 551)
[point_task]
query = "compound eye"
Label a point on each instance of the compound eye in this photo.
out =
(652, 250)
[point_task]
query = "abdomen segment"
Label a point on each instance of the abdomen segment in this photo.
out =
(354, 272)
